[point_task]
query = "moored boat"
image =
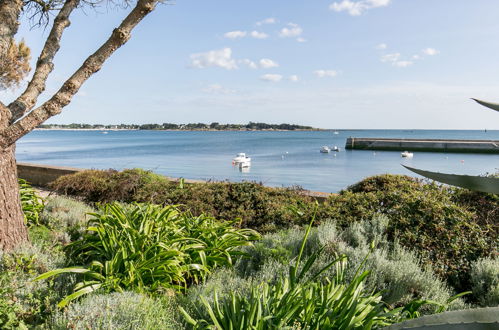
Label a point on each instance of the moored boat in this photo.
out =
(407, 154)
(325, 149)
(241, 158)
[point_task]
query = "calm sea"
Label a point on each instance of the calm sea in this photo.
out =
(278, 158)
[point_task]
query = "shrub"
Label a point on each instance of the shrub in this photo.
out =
(448, 228)
(301, 300)
(395, 272)
(24, 302)
(150, 248)
(65, 216)
(485, 281)
(31, 203)
(424, 217)
(258, 207)
(118, 310)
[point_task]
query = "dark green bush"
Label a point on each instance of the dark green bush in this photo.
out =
(449, 228)
(258, 207)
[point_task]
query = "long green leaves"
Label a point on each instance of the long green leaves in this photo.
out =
(300, 300)
(31, 203)
(146, 247)
(477, 183)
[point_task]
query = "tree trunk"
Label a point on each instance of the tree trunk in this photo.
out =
(12, 227)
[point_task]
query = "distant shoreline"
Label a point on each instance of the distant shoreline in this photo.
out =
(181, 130)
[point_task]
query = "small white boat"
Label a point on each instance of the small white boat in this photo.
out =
(105, 132)
(407, 154)
(325, 149)
(244, 164)
(336, 132)
(335, 148)
(241, 158)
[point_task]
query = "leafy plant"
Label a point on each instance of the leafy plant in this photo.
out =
(32, 204)
(149, 248)
(301, 300)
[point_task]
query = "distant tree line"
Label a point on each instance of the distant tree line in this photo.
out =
(186, 127)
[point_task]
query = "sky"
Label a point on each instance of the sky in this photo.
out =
(342, 64)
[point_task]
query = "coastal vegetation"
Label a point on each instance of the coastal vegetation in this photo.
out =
(251, 126)
(153, 263)
(449, 228)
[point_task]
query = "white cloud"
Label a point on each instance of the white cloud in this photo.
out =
(356, 8)
(300, 39)
(430, 51)
(270, 20)
(293, 30)
(402, 64)
(221, 58)
(235, 34)
(382, 46)
(217, 89)
(271, 77)
(390, 57)
(325, 73)
(293, 78)
(416, 57)
(267, 63)
(249, 63)
(259, 35)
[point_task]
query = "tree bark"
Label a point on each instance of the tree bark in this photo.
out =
(12, 228)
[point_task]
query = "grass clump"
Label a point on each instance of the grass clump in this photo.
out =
(149, 248)
(118, 310)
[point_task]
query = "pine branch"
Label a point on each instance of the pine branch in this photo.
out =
(44, 65)
(92, 64)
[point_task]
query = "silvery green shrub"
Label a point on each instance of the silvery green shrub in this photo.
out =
(485, 281)
(125, 310)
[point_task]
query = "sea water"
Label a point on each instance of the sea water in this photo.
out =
(279, 158)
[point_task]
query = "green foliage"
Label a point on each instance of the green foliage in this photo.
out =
(65, 217)
(258, 207)
(31, 203)
(301, 300)
(149, 248)
(24, 302)
(118, 310)
(395, 272)
(485, 281)
(448, 228)
(447, 232)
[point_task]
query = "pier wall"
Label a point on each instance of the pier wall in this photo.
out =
(41, 175)
(430, 145)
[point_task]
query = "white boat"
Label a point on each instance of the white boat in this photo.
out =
(407, 154)
(336, 132)
(241, 158)
(244, 164)
(325, 149)
(335, 148)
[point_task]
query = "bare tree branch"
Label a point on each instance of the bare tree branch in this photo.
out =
(44, 65)
(92, 64)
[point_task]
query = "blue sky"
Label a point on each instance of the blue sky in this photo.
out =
(329, 64)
